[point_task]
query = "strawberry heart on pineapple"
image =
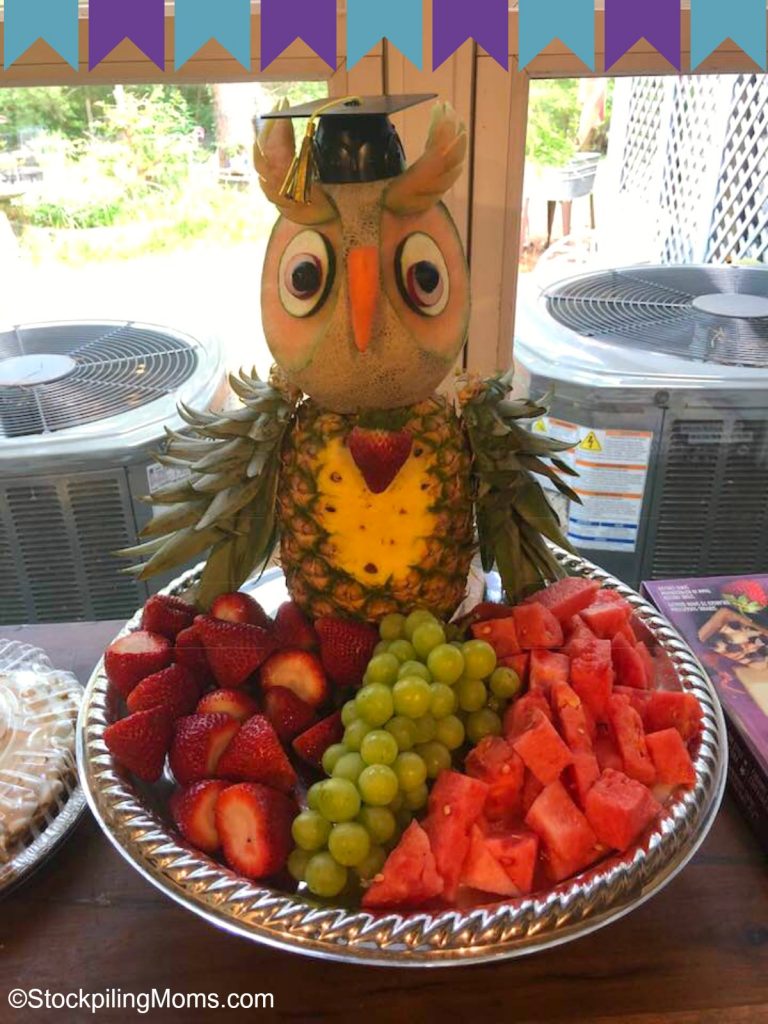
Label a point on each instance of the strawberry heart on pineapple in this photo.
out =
(379, 454)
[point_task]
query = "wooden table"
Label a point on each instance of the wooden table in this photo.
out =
(697, 952)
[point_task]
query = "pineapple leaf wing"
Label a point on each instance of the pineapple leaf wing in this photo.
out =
(226, 504)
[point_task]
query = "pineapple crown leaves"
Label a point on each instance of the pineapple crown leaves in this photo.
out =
(226, 503)
(513, 514)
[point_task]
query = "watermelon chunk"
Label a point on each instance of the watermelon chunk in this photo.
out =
(673, 710)
(579, 637)
(569, 841)
(495, 762)
(483, 871)
(628, 666)
(606, 751)
(518, 663)
(671, 758)
(582, 775)
(637, 698)
(542, 750)
(627, 728)
(501, 634)
(649, 665)
(567, 597)
(547, 668)
(536, 627)
(576, 725)
(592, 678)
(455, 804)
(409, 876)
(606, 619)
(619, 809)
(517, 853)
(521, 714)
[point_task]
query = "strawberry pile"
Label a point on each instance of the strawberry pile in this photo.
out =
(233, 702)
(558, 741)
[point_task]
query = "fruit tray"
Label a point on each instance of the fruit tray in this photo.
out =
(134, 818)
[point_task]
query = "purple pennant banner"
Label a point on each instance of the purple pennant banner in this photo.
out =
(314, 21)
(455, 21)
(140, 21)
(628, 21)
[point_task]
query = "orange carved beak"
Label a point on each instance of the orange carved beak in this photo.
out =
(364, 285)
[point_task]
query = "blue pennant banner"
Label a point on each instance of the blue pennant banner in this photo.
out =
(54, 21)
(570, 21)
(714, 21)
(226, 21)
(399, 21)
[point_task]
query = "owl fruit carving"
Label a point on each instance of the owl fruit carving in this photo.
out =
(378, 490)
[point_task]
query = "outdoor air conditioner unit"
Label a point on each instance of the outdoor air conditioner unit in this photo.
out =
(659, 375)
(82, 408)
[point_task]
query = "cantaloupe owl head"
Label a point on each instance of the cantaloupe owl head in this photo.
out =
(365, 291)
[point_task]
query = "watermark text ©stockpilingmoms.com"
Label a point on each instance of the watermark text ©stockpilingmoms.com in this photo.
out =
(137, 1002)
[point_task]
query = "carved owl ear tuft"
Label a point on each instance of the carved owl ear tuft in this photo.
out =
(273, 154)
(426, 182)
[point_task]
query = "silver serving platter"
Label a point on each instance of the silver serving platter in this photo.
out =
(134, 819)
(49, 831)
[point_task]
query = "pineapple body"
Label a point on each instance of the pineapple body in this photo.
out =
(347, 551)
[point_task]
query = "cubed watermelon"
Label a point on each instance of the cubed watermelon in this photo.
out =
(627, 729)
(521, 714)
(668, 709)
(536, 627)
(542, 750)
(455, 804)
(627, 664)
(606, 751)
(592, 678)
(531, 789)
(501, 634)
(628, 633)
(569, 841)
(578, 636)
(517, 853)
(582, 775)
(671, 758)
(566, 598)
(606, 619)
(483, 871)
(495, 762)
(637, 698)
(547, 667)
(576, 724)
(518, 663)
(609, 595)
(619, 809)
(409, 876)
(649, 665)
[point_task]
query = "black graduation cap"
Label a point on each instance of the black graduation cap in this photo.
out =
(348, 140)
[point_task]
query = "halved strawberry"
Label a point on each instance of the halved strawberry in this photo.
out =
(188, 650)
(134, 657)
(198, 743)
(174, 688)
(193, 811)
(234, 649)
(240, 607)
(288, 713)
(313, 742)
(254, 825)
(298, 671)
(167, 615)
(255, 755)
(235, 703)
(293, 628)
(140, 742)
(345, 648)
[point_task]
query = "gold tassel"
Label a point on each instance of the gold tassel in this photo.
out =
(302, 173)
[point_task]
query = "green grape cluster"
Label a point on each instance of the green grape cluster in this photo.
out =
(423, 695)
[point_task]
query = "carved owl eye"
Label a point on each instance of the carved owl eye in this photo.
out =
(422, 275)
(306, 273)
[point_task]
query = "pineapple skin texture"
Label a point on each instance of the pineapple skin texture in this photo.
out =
(346, 551)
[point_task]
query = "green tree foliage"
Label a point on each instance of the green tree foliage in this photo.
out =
(553, 121)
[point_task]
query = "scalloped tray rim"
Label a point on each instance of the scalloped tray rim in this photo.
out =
(296, 923)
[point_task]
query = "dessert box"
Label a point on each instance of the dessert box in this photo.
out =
(725, 621)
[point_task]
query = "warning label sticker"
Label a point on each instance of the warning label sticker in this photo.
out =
(613, 470)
